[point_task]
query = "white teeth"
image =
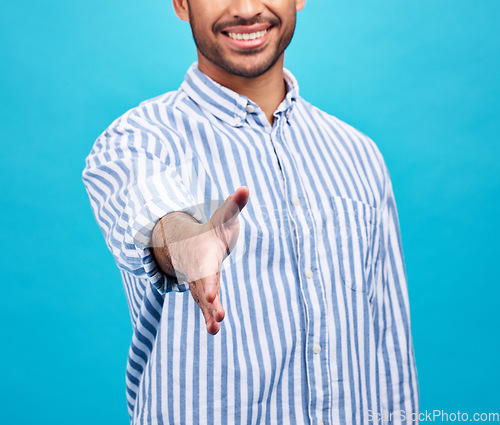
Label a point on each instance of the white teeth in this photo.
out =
(245, 36)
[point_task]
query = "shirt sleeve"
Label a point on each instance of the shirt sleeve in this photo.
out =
(396, 360)
(135, 174)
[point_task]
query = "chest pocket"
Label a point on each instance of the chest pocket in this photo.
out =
(355, 226)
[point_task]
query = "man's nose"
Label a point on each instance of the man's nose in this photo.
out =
(246, 9)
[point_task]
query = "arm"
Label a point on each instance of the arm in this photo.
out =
(133, 178)
(398, 383)
(147, 210)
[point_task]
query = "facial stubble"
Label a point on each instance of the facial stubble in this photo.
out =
(215, 54)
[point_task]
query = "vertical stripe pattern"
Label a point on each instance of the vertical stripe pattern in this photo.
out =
(317, 326)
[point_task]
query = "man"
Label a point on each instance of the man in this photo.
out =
(299, 273)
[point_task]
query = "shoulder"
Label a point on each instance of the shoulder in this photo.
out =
(340, 129)
(158, 116)
(151, 127)
(361, 150)
(160, 111)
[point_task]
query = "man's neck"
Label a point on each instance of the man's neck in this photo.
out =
(267, 90)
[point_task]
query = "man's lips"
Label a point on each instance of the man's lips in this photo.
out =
(247, 29)
(247, 37)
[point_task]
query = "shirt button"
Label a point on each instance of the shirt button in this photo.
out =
(250, 109)
(309, 273)
(237, 120)
(316, 348)
(295, 200)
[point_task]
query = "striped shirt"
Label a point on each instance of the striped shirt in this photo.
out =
(317, 326)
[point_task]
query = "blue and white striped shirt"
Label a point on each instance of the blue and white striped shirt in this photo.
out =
(317, 326)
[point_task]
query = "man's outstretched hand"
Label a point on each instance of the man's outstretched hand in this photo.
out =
(184, 246)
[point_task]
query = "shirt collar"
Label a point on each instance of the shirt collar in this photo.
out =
(227, 105)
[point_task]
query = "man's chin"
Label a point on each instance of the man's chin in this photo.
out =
(244, 66)
(246, 72)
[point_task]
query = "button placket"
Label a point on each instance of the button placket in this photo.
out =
(306, 260)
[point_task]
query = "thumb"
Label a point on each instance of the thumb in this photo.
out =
(230, 209)
(224, 221)
(239, 197)
(226, 214)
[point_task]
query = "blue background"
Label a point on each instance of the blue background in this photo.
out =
(420, 78)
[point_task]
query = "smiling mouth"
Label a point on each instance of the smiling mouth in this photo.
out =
(246, 36)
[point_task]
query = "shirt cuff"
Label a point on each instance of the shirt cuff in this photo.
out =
(158, 196)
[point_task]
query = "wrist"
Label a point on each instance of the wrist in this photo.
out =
(170, 238)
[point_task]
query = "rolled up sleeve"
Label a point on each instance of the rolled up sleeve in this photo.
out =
(135, 175)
